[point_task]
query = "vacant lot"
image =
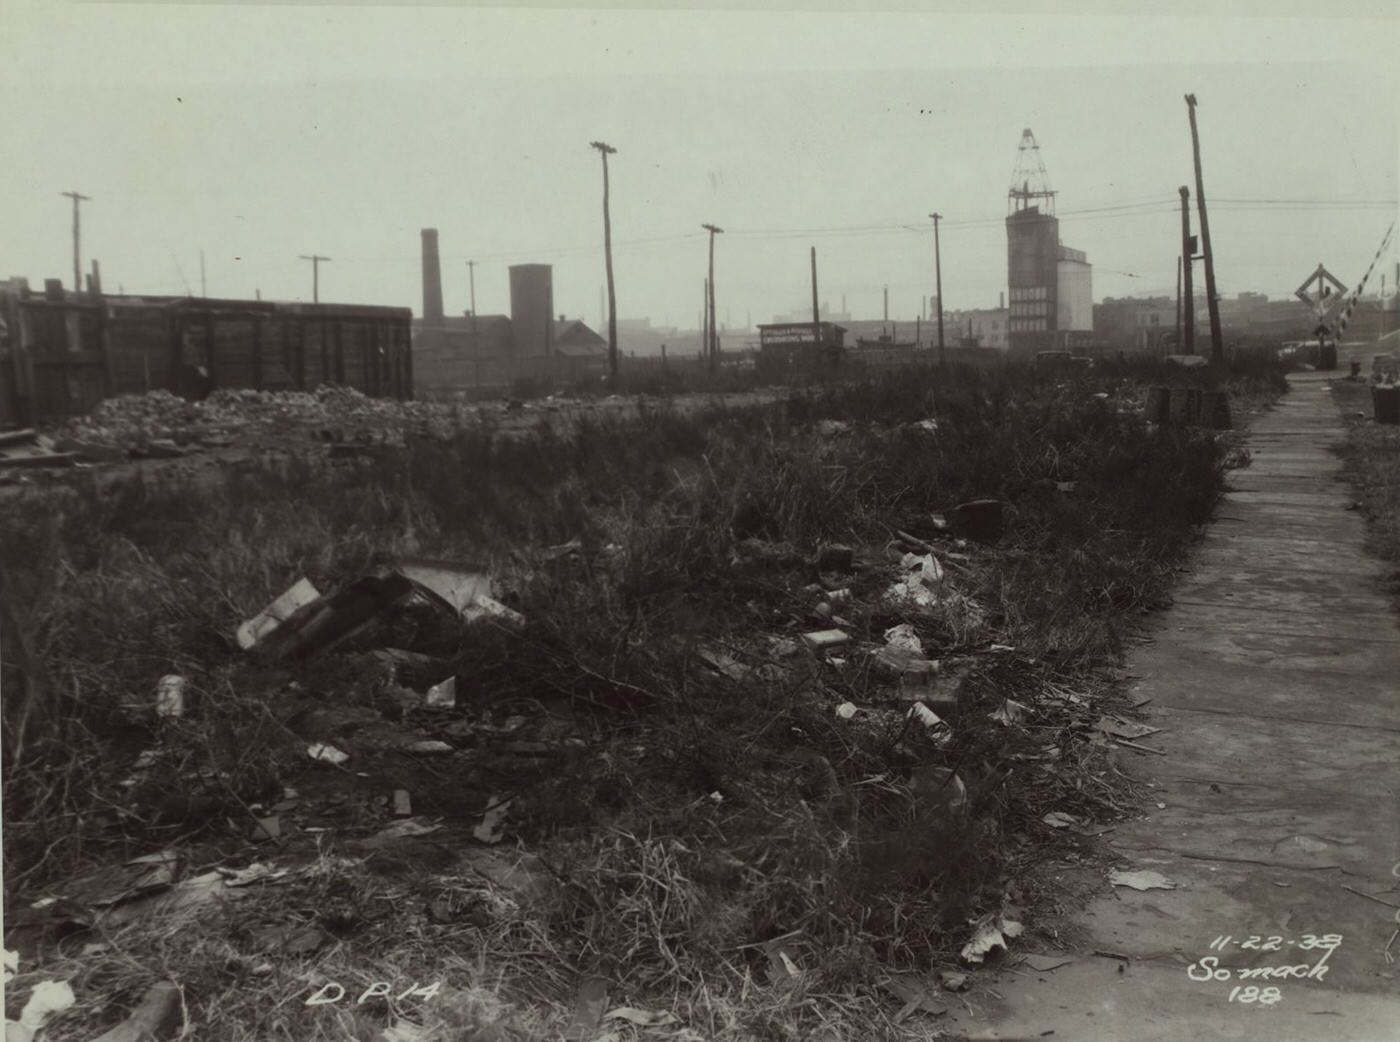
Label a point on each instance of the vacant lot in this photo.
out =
(651, 778)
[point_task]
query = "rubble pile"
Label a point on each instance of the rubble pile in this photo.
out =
(329, 413)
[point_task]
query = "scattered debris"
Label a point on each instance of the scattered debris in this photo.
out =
(403, 804)
(904, 664)
(925, 715)
(160, 1016)
(846, 710)
(1058, 819)
(430, 747)
(954, 981)
(261, 625)
(1046, 963)
(1009, 712)
(903, 637)
(989, 932)
(47, 998)
(489, 608)
(27, 448)
(919, 587)
(442, 695)
(170, 696)
(490, 830)
(459, 586)
(1145, 879)
(407, 829)
(1118, 728)
(188, 895)
(824, 640)
(266, 830)
(326, 753)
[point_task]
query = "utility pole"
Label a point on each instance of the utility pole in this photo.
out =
(316, 259)
(1185, 294)
(1178, 301)
(1217, 342)
(77, 265)
(471, 279)
(203, 286)
(712, 346)
(816, 311)
(938, 289)
(606, 150)
(705, 320)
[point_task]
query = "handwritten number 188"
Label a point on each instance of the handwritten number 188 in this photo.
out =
(1263, 996)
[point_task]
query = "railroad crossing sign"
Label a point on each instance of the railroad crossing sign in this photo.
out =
(1316, 291)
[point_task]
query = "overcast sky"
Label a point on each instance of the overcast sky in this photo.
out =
(261, 133)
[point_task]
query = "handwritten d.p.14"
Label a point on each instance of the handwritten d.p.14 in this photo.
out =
(332, 992)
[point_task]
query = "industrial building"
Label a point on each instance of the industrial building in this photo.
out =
(473, 350)
(63, 352)
(1049, 285)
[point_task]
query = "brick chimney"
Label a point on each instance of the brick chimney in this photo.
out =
(432, 279)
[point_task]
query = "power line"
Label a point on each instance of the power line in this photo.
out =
(1144, 208)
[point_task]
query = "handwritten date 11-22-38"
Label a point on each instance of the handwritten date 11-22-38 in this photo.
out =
(1308, 942)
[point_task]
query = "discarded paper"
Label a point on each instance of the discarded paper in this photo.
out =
(170, 696)
(443, 695)
(256, 629)
(489, 830)
(47, 998)
(904, 637)
(326, 753)
(991, 931)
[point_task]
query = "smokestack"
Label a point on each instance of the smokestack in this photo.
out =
(432, 279)
(1002, 306)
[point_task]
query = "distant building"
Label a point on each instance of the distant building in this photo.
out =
(1050, 286)
(532, 343)
(978, 327)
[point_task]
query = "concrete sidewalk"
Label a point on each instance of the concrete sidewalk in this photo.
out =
(1276, 676)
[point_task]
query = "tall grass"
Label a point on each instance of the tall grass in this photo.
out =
(753, 805)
